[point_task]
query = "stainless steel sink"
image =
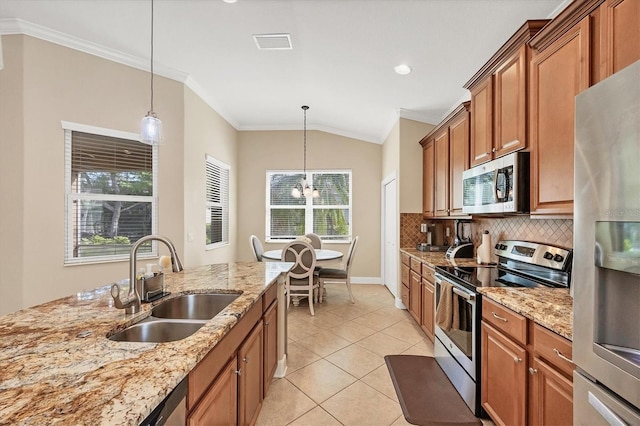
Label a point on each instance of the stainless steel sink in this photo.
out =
(157, 331)
(176, 318)
(194, 306)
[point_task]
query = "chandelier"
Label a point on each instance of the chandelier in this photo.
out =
(303, 187)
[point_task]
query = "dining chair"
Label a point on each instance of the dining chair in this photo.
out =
(256, 248)
(338, 275)
(301, 280)
(316, 242)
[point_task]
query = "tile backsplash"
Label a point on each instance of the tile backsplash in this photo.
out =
(551, 231)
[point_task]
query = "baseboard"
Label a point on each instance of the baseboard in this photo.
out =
(366, 280)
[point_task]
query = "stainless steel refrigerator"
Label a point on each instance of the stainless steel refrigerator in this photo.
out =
(606, 262)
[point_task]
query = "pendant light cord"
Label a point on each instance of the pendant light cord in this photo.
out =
(305, 141)
(152, 56)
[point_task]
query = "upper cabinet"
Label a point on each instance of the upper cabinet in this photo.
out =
(499, 99)
(445, 157)
(619, 36)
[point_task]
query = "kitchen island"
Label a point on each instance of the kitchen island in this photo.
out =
(57, 365)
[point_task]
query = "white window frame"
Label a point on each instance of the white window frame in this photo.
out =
(309, 207)
(71, 196)
(224, 203)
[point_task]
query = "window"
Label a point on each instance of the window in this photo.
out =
(110, 184)
(328, 215)
(217, 203)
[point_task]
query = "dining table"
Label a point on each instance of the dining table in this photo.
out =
(321, 255)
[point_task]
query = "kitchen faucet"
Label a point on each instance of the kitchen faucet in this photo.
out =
(131, 304)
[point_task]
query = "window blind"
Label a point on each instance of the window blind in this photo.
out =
(217, 202)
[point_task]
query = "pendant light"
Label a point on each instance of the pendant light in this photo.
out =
(303, 188)
(151, 126)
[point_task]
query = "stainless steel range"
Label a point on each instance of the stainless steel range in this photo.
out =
(458, 305)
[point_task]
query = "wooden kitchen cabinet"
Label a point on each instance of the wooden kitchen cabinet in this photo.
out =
(270, 321)
(558, 74)
(619, 36)
(441, 173)
(526, 370)
(415, 296)
(219, 405)
(428, 179)
(428, 307)
(499, 98)
(445, 157)
(250, 365)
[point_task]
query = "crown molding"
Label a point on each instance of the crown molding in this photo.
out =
(14, 26)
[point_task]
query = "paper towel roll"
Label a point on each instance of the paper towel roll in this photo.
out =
(484, 251)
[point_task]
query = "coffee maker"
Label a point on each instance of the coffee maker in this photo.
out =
(462, 246)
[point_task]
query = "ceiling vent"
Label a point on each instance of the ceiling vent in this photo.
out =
(273, 41)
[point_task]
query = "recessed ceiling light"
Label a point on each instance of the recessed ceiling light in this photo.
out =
(229, 1)
(402, 69)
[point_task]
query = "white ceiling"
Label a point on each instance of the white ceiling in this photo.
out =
(341, 64)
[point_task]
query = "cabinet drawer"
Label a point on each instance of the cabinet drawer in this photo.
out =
(554, 348)
(429, 274)
(405, 274)
(416, 265)
(269, 297)
(405, 258)
(505, 320)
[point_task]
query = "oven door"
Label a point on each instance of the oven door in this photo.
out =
(456, 322)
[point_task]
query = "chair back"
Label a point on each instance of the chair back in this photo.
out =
(256, 248)
(316, 242)
(303, 255)
(352, 249)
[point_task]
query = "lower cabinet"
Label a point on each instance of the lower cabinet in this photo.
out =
(526, 370)
(428, 301)
(418, 292)
(228, 386)
(415, 296)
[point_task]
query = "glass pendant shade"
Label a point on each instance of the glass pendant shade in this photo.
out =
(151, 129)
(295, 192)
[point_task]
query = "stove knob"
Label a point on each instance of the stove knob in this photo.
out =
(558, 258)
(548, 256)
(498, 246)
(503, 246)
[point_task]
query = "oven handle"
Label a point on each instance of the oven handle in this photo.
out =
(463, 294)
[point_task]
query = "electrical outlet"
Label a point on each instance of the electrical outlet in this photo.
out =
(189, 236)
(423, 227)
(447, 232)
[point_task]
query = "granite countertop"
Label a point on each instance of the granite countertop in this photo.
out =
(550, 307)
(49, 375)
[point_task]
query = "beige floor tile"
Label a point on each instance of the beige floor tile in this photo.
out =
(361, 405)
(375, 320)
(355, 360)
(320, 380)
(401, 421)
(380, 380)
(299, 356)
(407, 331)
(324, 343)
(424, 347)
(283, 404)
(301, 329)
(324, 319)
(400, 314)
(352, 311)
(316, 417)
(383, 344)
(352, 331)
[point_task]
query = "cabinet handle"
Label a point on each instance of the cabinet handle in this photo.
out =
(267, 323)
(517, 359)
(496, 316)
(493, 150)
(562, 356)
(533, 370)
(246, 360)
(238, 371)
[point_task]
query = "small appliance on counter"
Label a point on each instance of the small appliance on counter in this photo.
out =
(431, 247)
(462, 246)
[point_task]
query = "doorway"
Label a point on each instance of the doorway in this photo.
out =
(390, 236)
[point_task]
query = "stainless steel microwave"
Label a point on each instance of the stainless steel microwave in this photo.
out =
(500, 186)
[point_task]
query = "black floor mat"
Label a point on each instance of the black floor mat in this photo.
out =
(426, 395)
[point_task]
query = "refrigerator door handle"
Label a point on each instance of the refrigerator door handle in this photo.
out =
(605, 411)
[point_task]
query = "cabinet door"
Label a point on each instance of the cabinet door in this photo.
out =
(620, 35)
(250, 364)
(458, 161)
(558, 74)
(219, 406)
(442, 173)
(415, 296)
(510, 104)
(552, 399)
(482, 122)
(270, 345)
(504, 378)
(428, 313)
(428, 179)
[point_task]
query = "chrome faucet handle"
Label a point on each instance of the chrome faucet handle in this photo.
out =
(128, 303)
